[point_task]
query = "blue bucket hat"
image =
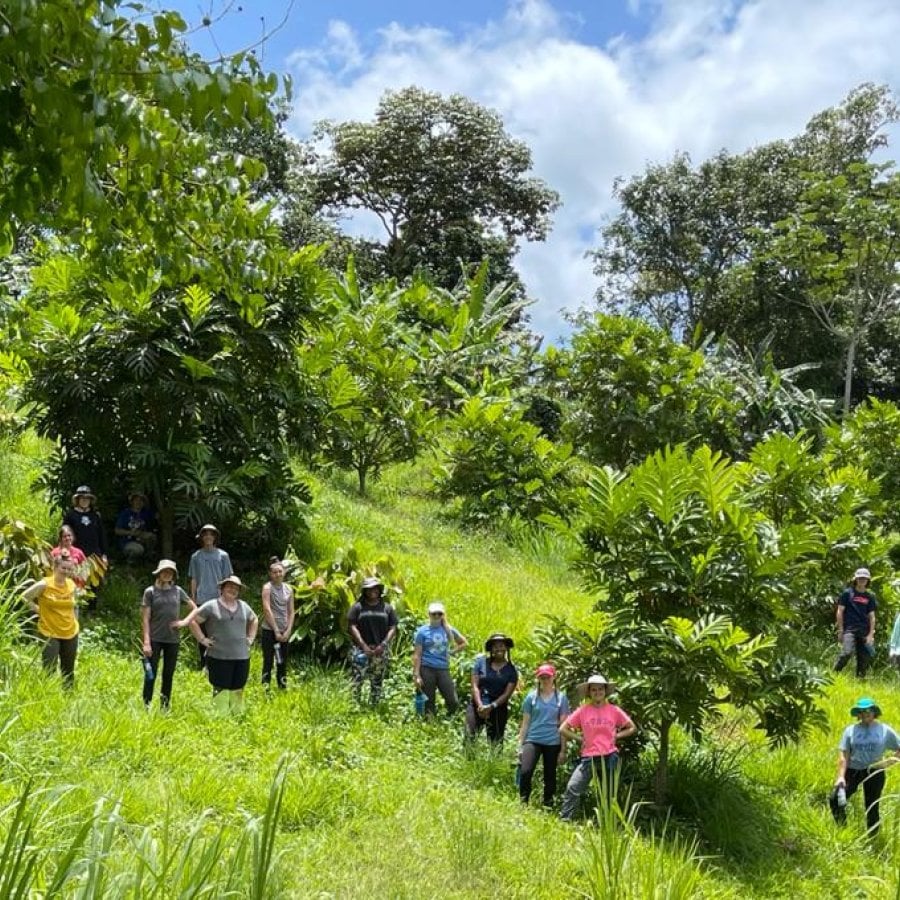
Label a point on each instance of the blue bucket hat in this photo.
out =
(864, 704)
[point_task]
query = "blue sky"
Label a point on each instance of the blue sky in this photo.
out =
(597, 88)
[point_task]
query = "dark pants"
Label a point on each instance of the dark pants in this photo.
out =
(64, 650)
(604, 767)
(854, 642)
(441, 680)
(169, 653)
(227, 674)
(872, 782)
(268, 650)
(549, 753)
(201, 651)
(495, 722)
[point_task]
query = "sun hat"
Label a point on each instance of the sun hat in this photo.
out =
(133, 494)
(436, 607)
(610, 686)
(165, 564)
(370, 582)
(231, 579)
(207, 527)
(83, 491)
(863, 704)
(545, 669)
(862, 573)
(499, 636)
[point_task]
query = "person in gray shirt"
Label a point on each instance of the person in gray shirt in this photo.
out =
(208, 566)
(278, 622)
(230, 632)
(160, 606)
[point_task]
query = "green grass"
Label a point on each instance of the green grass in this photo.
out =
(304, 795)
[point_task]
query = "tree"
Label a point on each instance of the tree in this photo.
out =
(843, 247)
(442, 176)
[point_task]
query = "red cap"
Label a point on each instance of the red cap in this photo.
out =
(545, 669)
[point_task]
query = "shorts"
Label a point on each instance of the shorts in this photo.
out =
(227, 674)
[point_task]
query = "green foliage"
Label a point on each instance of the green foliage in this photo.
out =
(502, 467)
(22, 549)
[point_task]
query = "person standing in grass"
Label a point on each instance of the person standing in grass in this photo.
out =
(433, 643)
(373, 625)
(494, 678)
(543, 712)
(600, 725)
(208, 566)
(862, 761)
(160, 607)
(278, 622)
(855, 622)
(230, 632)
(52, 599)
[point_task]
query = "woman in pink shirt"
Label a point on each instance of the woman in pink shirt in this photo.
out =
(600, 724)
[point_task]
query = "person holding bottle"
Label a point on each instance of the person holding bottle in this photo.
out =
(543, 711)
(433, 643)
(161, 606)
(278, 622)
(862, 761)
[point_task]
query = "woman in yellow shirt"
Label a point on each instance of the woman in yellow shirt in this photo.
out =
(53, 600)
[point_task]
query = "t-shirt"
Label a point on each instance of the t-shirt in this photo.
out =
(133, 519)
(56, 610)
(75, 554)
(546, 716)
(868, 743)
(373, 621)
(598, 726)
(227, 629)
(88, 529)
(208, 568)
(165, 608)
(492, 682)
(857, 606)
(435, 645)
(279, 600)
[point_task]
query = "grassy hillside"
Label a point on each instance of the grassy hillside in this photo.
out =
(352, 803)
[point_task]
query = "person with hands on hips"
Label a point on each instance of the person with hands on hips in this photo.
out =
(433, 643)
(855, 623)
(494, 678)
(862, 762)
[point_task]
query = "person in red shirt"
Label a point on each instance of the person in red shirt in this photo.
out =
(598, 724)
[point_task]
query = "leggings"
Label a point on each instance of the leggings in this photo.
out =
(872, 781)
(268, 650)
(495, 722)
(441, 680)
(169, 653)
(65, 650)
(531, 752)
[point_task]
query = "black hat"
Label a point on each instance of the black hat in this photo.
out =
(499, 636)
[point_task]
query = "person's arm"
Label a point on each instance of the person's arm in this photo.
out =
(843, 759)
(626, 730)
(252, 625)
(839, 619)
(391, 633)
(267, 607)
(417, 665)
(563, 741)
(145, 628)
(101, 537)
(286, 634)
(507, 693)
(473, 687)
(526, 721)
(870, 637)
(567, 731)
(31, 594)
(459, 642)
(194, 591)
(355, 633)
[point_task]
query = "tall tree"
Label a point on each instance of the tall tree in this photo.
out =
(442, 176)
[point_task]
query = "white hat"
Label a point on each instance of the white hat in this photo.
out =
(166, 564)
(610, 686)
(436, 607)
(862, 573)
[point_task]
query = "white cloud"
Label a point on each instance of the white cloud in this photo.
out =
(709, 74)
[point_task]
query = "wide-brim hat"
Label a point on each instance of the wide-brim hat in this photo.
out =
(371, 582)
(207, 527)
(499, 636)
(231, 579)
(862, 572)
(610, 686)
(165, 564)
(864, 704)
(83, 491)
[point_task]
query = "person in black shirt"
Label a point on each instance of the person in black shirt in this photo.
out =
(494, 678)
(373, 625)
(85, 522)
(855, 621)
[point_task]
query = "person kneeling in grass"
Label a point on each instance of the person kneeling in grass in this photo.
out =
(231, 630)
(862, 762)
(601, 724)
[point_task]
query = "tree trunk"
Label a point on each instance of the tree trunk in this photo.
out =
(362, 471)
(849, 362)
(662, 764)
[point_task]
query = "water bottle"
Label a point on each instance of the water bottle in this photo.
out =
(148, 668)
(518, 775)
(277, 654)
(841, 796)
(421, 700)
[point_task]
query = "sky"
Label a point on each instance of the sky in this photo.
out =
(598, 89)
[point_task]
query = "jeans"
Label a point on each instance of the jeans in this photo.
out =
(268, 651)
(65, 650)
(169, 654)
(604, 767)
(854, 642)
(872, 782)
(442, 680)
(495, 722)
(373, 668)
(531, 753)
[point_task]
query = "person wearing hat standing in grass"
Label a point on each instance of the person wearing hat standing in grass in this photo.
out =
(855, 623)
(86, 524)
(134, 528)
(160, 607)
(544, 710)
(230, 632)
(373, 625)
(278, 622)
(862, 762)
(208, 566)
(494, 678)
(433, 643)
(600, 725)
